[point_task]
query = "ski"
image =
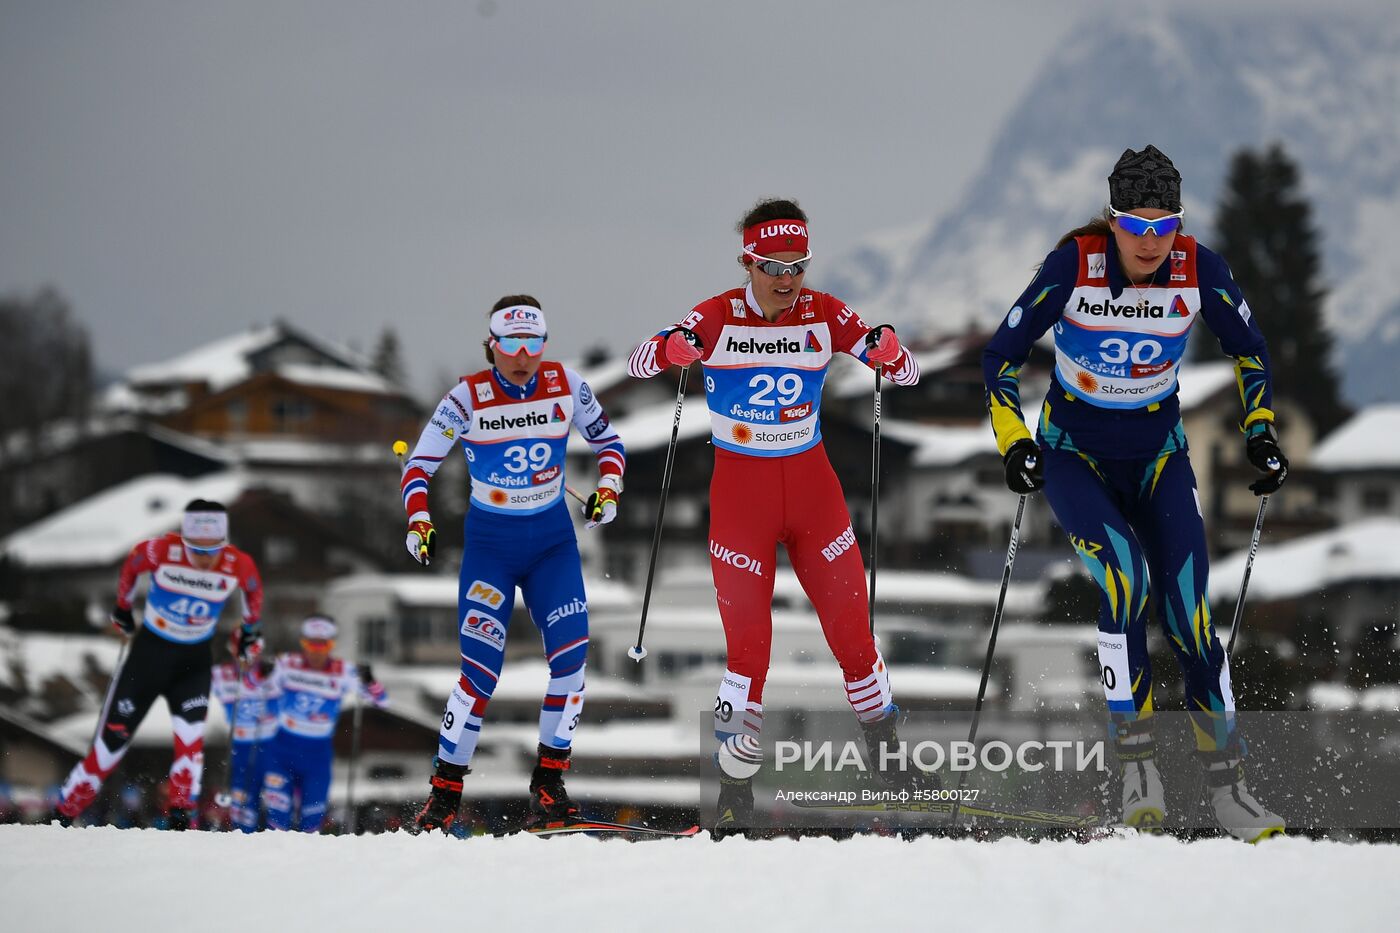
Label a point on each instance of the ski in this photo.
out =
(605, 827)
(1038, 817)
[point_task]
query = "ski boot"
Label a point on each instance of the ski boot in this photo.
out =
(67, 811)
(1144, 804)
(735, 808)
(1236, 810)
(443, 800)
(880, 734)
(180, 819)
(549, 799)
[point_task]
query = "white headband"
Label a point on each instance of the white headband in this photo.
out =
(518, 319)
(318, 628)
(205, 525)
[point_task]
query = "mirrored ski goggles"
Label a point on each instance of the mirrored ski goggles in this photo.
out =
(317, 645)
(198, 549)
(511, 346)
(776, 268)
(1139, 226)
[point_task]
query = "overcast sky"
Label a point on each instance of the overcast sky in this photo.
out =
(181, 170)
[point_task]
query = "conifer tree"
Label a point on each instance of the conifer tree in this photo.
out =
(1264, 231)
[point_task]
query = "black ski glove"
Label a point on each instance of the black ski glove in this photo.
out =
(247, 643)
(1024, 472)
(1263, 452)
(123, 620)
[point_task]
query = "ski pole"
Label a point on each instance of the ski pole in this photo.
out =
(1248, 568)
(875, 494)
(637, 652)
(356, 722)
(111, 689)
(226, 799)
(401, 451)
(992, 641)
(1239, 605)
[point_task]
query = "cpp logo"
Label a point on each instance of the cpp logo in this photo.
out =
(483, 628)
(521, 314)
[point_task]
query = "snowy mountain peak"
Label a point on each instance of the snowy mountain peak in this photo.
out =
(1327, 87)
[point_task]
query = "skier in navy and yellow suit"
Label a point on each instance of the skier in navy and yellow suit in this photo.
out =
(1122, 294)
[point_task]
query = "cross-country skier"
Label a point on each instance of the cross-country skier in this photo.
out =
(193, 572)
(306, 689)
(1122, 294)
(252, 724)
(765, 348)
(512, 420)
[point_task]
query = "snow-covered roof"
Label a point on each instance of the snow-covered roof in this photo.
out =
(220, 363)
(1363, 550)
(932, 587)
(1382, 698)
(154, 732)
(413, 589)
(226, 362)
(853, 379)
(42, 656)
(605, 375)
(102, 528)
(259, 451)
(336, 377)
(521, 679)
(29, 724)
(1369, 441)
(650, 427)
(58, 436)
(1330, 697)
(1198, 382)
(940, 445)
(909, 680)
(676, 738)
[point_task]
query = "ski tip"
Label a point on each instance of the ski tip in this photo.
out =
(605, 828)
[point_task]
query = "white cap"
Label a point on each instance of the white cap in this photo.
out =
(521, 320)
(318, 628)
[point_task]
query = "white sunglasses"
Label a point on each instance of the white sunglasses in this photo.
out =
(775, 267)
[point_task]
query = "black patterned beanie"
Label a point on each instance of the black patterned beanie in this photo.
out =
(1144, 179)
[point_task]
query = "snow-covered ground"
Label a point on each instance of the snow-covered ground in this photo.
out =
(53, 879)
